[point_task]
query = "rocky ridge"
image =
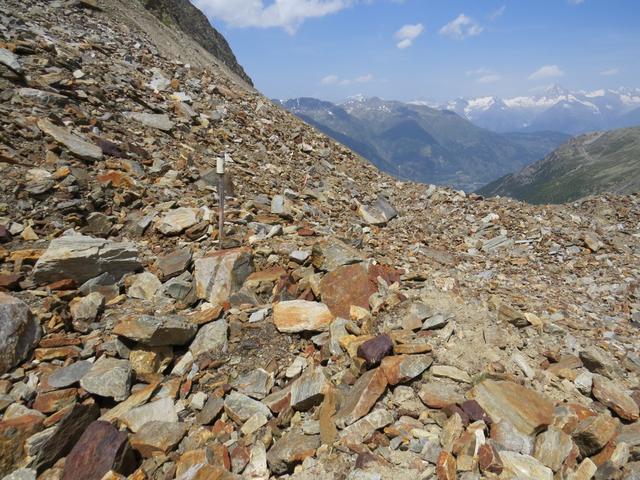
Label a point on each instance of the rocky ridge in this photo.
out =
(352, 327)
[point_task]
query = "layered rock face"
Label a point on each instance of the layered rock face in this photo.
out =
(349, 326)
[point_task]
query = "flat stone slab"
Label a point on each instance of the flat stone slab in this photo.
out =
(525, 409)
(76, 145)
(82, 258)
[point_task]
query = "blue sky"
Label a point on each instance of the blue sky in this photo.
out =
(430, 49)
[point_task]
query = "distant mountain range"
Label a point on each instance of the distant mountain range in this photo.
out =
(589, 164)
(422, 143)
(555, 109)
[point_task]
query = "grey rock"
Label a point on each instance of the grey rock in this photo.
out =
(153, 120)
(10, 60)
(162, 410)
(77, 146)
(256, 383)
(109, 377)
(81, 258)
(177, 220)
(379, 213)
(85, 310)
(144, 286)
(66, 376)
(19, 331)
(212, 338)
(219, 274)
(241, 407)
(42, 97)
(330, 254)
(21, 474)
(291, 449)
(156, 331)
(173, 264)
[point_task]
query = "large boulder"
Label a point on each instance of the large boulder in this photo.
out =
(220, 274)
(19, 331)
(82, 258)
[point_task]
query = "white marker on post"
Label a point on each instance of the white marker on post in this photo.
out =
(220, 171)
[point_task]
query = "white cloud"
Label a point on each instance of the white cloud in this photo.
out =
(610, 72)
(461, 27)
(407, 34)
(493, 16)
(547, 71)
(336, 80)
(287, 14)
(489, 78)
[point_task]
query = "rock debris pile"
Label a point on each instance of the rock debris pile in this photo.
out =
(352, 327)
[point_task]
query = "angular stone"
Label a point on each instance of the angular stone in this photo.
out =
(177, 220)
(136, 399)
(361, 397)
(13, 435)
(448, 371)
(67, 376)
(212, 408)
(301, 316)
(256, 383)
(374, 350)
(240, 407)
(144, 286)
(439, 394)
(525, 467)
(85, 310)
(597, 360)
(593, 433)
(403, 368)
(525, 409)
(212, 338)
(82, 258)
(379, 213)
(585, 471)
(328, 255)
(506, 437)
(173, 264)
(254, 423)
(220, 274)
(109, 377)
(19, 332)
(363, 429)
(22, 474)
(10, 60)
(152, 120)
(309, 389)
(610, 394)
(446, 466)
(162, 410)
(281, 205)
(489, 459)
(346, 286)
(155, 438)
(66, 434)
(156, 331)
(292, 448)
(552, 448)
(50, 402)
(77, 146)
(150, 360)
(100, 449)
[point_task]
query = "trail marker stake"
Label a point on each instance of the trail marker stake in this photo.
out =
(220, 172)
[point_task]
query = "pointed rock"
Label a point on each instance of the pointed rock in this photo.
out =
(77, 146)
(404, 368)
(610, 394)
(301, 316)
(220, 274)
(361, 397)
(525, 409)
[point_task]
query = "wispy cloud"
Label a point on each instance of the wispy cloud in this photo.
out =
(484, 75)
(287, 14)
(461, 27)
(336, 80)
(609, 72)
(407, 34)
(493, 16)
(547, 71)
(490, 78)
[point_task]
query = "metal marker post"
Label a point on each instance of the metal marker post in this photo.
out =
(220, 172)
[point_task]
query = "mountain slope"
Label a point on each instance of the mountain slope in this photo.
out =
(421, 143)
(589, 164)
(185, 16)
